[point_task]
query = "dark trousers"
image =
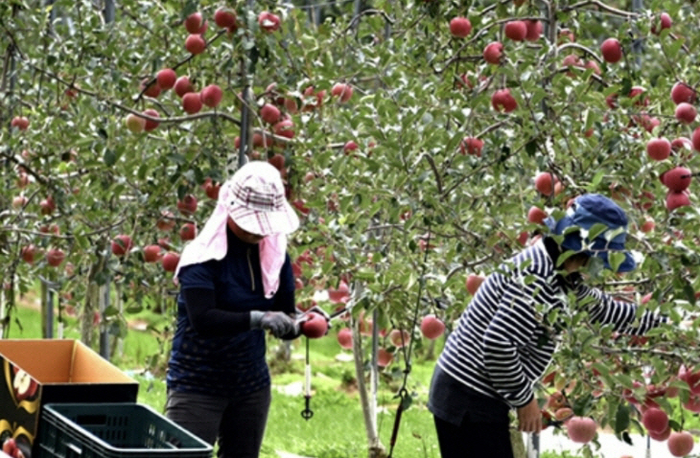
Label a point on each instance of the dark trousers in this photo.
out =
(238, 424)
(473, 439)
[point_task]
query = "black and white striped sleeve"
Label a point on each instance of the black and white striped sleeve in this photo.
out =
(512, 329)
(604, 309)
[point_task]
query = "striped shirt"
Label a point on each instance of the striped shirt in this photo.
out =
(502, 344)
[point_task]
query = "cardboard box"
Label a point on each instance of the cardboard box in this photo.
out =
(42, 371)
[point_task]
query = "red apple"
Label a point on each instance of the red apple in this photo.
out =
(277, 161)
(150, 125)
(515, 30)
(648, 225)
(188, 205)
(659, 148)
(191, 102)
(686, 113)
(593, 65)
(662, 436)
(268, 22)
(660, 23)
(536, 215)
(134, 123)
(166, 78)
(384, 357)
(460, 27)
(611, 50)
(28, 253)
(655, 420)
(345, 338)
(471, 146)
(211, 95)
(121, 245)
(545, 183)
(47, 206)
(225, 18)
(195, 44)
(342, 91)
(680, 443)
(151, 253)
(211, 189)
(270, 113)
(55, 256)
(166, 221)
(183, 86)
(349, 146)
(682, 92)
(19, 201)
(534, 30)
(502, 100)
(20, 122)
(399, 338)
(170, 261)
(677, 179)
(493, 52)
(473, 283)
(676, 200)
(284, 128)
(315, 326)
(188, 231)
(195, 23)
(637, 94)
(581, 429)
(432, 327)
(150, 90)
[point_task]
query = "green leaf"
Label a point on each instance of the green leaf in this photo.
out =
(622, 418)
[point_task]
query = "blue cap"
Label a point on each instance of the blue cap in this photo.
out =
(583, 214)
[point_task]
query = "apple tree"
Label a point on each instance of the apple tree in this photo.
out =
(421, 142)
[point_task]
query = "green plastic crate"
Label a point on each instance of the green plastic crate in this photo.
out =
(118, 430)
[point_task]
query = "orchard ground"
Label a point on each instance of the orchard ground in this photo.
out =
(552, 445)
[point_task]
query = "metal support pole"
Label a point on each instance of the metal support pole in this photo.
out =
(108, 11)
(637, 44)
(104, 332)
(48, 288)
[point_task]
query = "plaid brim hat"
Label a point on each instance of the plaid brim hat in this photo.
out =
(255, 200)
(581, 217)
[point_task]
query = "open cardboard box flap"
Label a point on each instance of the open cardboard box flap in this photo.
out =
(50, 361)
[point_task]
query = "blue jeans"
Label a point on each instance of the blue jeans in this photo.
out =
(238, 423)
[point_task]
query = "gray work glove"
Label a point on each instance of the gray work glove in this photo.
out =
(278, 323)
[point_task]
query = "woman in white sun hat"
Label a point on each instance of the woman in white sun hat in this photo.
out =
(236, 282)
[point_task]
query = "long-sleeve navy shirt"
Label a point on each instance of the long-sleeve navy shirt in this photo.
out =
(502, 344)
(214, 350)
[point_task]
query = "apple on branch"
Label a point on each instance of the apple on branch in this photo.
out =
(611, 49)
(581, 429)
(121, 245)
(170, 261)
(55, 256)
(345, 338)
(432, 327)
(680, 443)
(460, 27)
(515, 30)
(166, 78)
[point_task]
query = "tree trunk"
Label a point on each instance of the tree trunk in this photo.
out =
(375, 447)
(92, 297)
